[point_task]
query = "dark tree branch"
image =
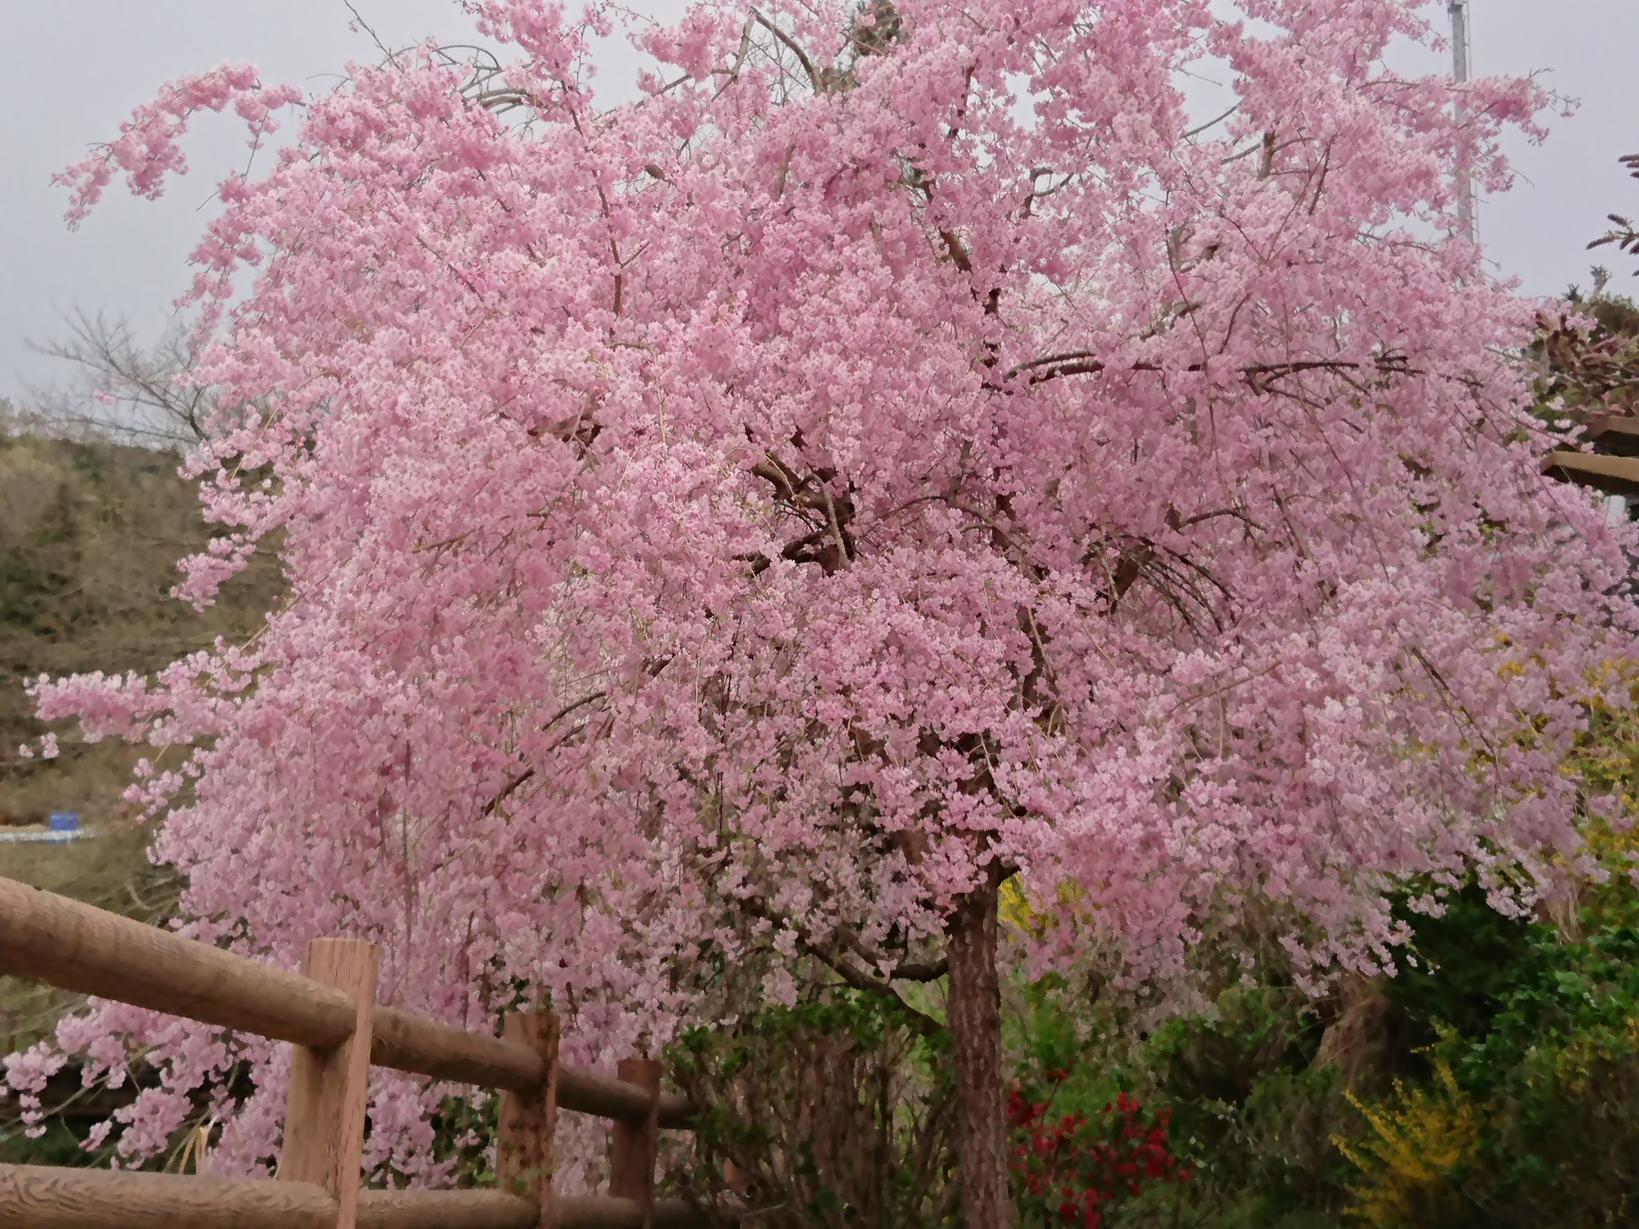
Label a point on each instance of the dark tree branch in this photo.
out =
(834, 959)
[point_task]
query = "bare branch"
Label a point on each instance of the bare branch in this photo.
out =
(121, 389)
(794, 47)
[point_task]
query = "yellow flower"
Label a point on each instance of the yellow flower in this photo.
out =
(1416, 1140)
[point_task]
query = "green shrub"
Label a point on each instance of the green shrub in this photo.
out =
(1249, 1115)
(834, 1112)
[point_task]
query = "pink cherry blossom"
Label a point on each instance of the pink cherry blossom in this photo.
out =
(892, 454)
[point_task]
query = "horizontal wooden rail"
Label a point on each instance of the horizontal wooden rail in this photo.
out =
(607, 1097)
(1616, 433)
(42, 1197)
(444, 1210)
(408, 1042)
(39, 1197)
(79, 947)
(72, 946)
(1612, 475)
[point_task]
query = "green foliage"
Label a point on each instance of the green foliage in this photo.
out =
(1499, 1085)
(60, 1145)
(1250, 1112)
(1493, 1084)
(1253, 1112)
(1558, 1076)
(833, 1112)
(464, 1132)
(1468, 961)
(1544, 1098)
(1526, 1037)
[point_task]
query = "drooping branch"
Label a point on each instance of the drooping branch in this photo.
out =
(1085, 362)
(833, 955)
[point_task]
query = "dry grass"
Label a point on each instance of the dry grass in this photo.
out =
(90, 536)
(1357, 1041)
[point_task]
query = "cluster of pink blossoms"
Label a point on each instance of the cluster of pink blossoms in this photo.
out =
(902, 449)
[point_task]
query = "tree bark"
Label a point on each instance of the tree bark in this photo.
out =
(976, 1048)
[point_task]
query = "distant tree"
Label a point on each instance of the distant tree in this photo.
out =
(15, 421)
(122, 389)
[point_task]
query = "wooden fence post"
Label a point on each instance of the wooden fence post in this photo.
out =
(634, 1145)
(324, 1115)
(527, 1120)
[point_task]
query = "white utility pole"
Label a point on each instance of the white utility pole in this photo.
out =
(1459, 57)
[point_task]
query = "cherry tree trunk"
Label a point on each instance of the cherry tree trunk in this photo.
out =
(976, 1046)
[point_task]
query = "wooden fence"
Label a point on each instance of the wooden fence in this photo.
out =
(329, 1013)
(1609, 461)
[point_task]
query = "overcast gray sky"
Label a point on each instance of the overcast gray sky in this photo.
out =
(77, 67)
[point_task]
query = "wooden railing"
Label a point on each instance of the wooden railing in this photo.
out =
(329, 1013)
(1609, 462)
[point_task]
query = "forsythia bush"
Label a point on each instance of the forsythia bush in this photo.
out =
(1531, 1114)
(1417, 1139)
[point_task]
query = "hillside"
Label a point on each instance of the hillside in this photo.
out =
(90, 534)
